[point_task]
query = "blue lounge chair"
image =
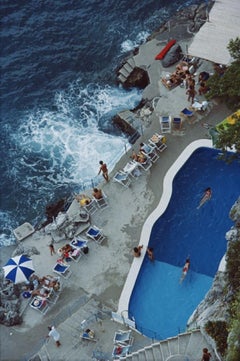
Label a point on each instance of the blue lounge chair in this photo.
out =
(79, 243)
(62, 270)
(120, 350)
(95, 234)
(187, 112)
(123, 338)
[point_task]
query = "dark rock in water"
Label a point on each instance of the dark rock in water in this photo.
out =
(123, 125)
(173, 56)
(138, 78)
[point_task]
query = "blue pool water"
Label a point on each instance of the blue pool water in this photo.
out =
(159, 304)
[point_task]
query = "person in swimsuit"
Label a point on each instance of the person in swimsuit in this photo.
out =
(207, 195)
(185, 269)
(104, 170)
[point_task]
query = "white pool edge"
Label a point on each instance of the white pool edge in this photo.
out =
(158, 211)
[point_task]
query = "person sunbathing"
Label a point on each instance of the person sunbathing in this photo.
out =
(97, 193)
(83, 199)
(49, 281)
(140, 157)
(42, 292)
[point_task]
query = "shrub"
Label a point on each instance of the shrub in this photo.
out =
(218, 331)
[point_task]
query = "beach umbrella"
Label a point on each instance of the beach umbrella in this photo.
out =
(18, 269)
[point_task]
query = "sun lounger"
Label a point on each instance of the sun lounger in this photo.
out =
(123, 338)
(120, 350)
(102, 202)
(165, 124)
(52, 296)
(149, 150)
(79, 244)
(122, 178)
(132, 169)
(39, 304)
(159, 142)
(75, 255)
(95, 234)
(91, 207)
(62, 269)
(146, 165)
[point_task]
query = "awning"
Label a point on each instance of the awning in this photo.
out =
(212, 39)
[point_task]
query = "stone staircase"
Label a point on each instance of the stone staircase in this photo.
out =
(184, 347)
(126, 70)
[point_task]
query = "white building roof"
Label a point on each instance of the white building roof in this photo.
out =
(211, 41)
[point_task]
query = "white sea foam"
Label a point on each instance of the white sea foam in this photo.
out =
(65, 145)
(128, 44)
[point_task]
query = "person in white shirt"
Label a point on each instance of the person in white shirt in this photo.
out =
(54, 334)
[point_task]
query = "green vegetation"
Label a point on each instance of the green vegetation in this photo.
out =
(227, 85)
(227, 335)
(218, 331)
(229, 137)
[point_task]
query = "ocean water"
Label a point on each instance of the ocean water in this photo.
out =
(59, 94)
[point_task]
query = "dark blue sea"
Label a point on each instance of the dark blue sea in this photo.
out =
(59, 94)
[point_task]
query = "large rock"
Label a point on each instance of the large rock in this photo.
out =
(9, 303)
(138, 78)
(173, 56)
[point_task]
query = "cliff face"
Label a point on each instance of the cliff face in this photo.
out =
(214, 307)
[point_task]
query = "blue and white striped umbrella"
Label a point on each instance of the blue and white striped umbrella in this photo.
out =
(18, 269)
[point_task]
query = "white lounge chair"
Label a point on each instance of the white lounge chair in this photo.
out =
(122, 178)
(149, 150)
(158, 141)
(91, 207)
(102, 202)
(146, 165)
(165, 124)
(39, 304)
(123, 338)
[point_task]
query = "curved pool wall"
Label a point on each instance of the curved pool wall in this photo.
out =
(148, 226)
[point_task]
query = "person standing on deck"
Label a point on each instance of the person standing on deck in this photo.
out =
(104, 170)
(54, 334)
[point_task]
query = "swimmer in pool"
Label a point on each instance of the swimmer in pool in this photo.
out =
(207, 195)
(185, 269)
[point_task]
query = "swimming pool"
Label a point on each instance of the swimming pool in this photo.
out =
(159, 304)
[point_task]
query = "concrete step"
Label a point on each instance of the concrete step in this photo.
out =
(135, 356)
(173, 345)
(157, 352)
(149, 354)
(165, 349)
(131, 62)
(124, 72)
(121, 78)
(196, 344)
(128, 68)
(183, 340)
(142, 355)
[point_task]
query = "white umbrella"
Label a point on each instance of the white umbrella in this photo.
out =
(18, 269)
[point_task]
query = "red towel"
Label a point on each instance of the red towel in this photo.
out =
(164, 51)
